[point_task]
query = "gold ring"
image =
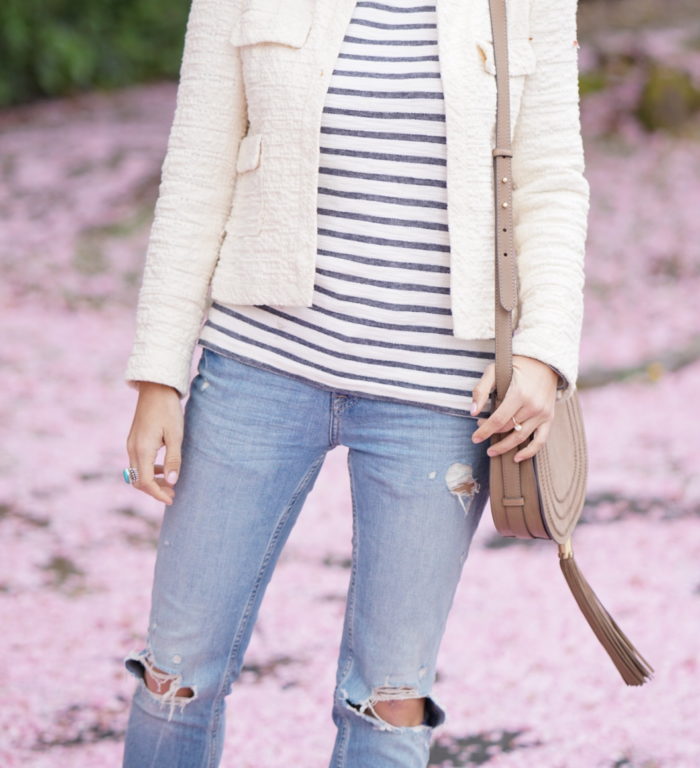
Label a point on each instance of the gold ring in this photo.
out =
(517, 426)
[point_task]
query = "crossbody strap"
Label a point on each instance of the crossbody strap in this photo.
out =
(506, 288)
(505, 265)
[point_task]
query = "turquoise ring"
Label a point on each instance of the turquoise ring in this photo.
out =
(130, 475)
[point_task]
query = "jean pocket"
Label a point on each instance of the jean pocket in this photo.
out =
(216, 367)
(201, 380)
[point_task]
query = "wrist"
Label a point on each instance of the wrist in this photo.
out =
(153, 386)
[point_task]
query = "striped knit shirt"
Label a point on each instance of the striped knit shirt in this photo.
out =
(380, 323)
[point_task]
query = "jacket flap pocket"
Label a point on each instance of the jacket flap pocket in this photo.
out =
(249, 152)
(284, 22)
(521, 56)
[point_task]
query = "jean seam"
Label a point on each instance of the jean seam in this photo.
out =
(342, 751)
(267, 557)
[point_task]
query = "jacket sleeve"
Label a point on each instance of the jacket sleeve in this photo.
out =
(194, 199)
(551, 197)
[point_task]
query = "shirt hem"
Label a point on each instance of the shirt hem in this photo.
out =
(319, 385)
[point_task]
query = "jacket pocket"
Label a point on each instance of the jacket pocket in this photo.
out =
(269, 21)
(246, 213)
(521, 56)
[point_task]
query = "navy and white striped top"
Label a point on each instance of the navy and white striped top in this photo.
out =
(380, 323)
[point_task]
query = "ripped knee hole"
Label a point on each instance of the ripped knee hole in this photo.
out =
(461, 483)
(397, 707)
(159, 682)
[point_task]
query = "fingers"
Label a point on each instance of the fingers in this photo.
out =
(501, 419)
(158, 421)
(482, 390)
(514, 438)
(523, 400)
(537, 442)
(142, 453)
(160, 479)
(145, 463)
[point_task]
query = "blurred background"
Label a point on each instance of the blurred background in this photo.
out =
(86, 99)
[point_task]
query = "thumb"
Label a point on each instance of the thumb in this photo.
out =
(482, 390)
(172, 461)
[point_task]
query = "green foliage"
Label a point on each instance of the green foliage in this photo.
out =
(591, 82)
(59, 47)
(669, 98)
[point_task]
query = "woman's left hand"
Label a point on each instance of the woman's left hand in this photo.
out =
(531, 397)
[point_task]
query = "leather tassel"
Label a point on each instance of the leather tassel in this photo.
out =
(633, 667)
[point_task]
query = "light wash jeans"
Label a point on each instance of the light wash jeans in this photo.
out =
(254, 442)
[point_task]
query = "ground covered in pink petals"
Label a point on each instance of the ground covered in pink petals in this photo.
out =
(521, 676)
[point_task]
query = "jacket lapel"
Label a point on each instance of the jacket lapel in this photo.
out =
(332, 19)
(469, 122)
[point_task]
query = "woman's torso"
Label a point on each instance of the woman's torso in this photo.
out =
(380, 323)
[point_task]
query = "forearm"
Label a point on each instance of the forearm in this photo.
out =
(194, 200)
(551, 196)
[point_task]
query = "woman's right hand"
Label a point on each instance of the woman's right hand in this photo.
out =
(158, 420)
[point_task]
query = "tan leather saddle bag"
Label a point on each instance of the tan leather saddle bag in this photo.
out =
(541, 497)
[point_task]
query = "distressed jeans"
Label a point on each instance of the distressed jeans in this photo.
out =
(254, 442)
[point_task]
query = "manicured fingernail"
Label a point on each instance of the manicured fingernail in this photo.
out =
(172, 476)
(474, 408)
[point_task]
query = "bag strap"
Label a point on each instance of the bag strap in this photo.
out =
(506, 288)
(505, 266)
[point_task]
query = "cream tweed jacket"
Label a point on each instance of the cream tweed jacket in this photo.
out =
(235, 218)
